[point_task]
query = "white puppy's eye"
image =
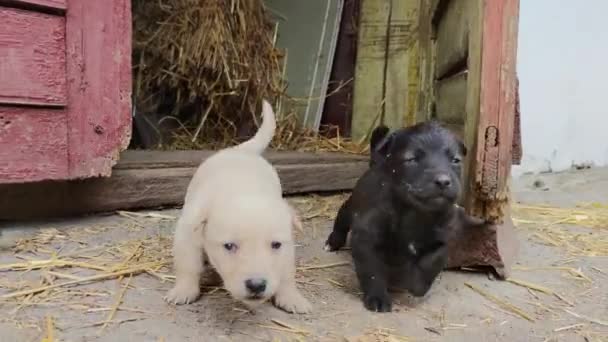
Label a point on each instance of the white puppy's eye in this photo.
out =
(275, 245)
(456, 160)
(230, 247)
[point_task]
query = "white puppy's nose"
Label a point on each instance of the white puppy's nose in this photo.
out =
(255, 285)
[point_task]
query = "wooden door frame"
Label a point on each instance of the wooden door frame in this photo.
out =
(493, 128)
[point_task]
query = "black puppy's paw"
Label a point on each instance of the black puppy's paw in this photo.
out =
(378, 302)
(334, 242)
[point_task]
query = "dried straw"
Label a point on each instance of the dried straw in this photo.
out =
(324, 266)
(206, 65)
(587, 318)
(98, 277)
(503, 304)
(117, 303)
(207, 61)
(379, 335)
(549, 225)
(50, 330)
(285, 327)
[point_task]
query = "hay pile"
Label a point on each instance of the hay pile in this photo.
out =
(205, 65)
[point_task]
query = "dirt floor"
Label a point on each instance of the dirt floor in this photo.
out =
(557, 292)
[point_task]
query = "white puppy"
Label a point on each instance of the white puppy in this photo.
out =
(235, 215)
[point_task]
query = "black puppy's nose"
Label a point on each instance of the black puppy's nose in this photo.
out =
(443, 181)
(256, 285)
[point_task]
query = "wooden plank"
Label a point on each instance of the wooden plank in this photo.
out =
(132, 159)
(32, 58)
(452, 99)
(497, 106)
(402, 37)
(369, 71)
(99, 72)
(59, 5)
(427, 61)
(413, 79)
(155, 187)
(33, 145)
(472, 105)
(453, 38)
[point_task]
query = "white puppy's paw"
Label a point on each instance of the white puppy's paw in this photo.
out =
(183, 294)
(292, 301)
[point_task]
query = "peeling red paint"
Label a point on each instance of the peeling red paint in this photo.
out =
(497, 106)
(53, 4)
(32, 58)
(77, 60)
(32, 145)
(97, 31)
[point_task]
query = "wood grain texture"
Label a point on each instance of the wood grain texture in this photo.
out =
(131, 159)
(139, 186)
(413, 77)
(60, 5)
(99, 71)
(517, 151)
(369, 69)
(452, 34)
(33, 145)
(426, 53)
(401, 40)
(32, 58)
(497, 107)
(451, 96)
(471, 125)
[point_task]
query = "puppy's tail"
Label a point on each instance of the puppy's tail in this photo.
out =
(263, 136)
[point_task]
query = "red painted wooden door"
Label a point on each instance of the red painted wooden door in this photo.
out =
(65, 88)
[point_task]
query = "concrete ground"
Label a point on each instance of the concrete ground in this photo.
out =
(558, 290)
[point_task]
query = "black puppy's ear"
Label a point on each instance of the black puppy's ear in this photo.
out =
(463, 149)
(383, 147)
(377, 135)
(379, 144)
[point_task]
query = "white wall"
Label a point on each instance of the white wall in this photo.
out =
(563, 72)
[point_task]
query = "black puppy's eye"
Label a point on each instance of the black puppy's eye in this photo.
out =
(230, 247)
(276, 245)
(410, 159)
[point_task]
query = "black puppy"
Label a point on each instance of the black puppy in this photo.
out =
(403, 211)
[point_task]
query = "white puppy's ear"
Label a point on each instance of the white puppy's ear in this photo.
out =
(200, 227)
(295, 218)
(194, 218)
